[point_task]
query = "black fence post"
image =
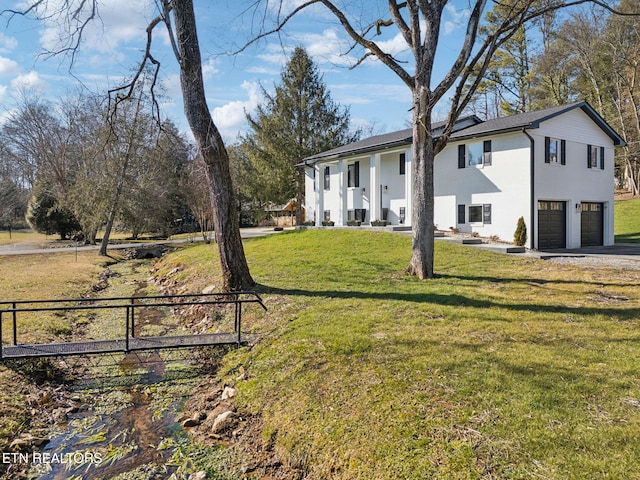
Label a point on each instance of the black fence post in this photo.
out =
(15, 325)
(133, 321)
(126, 332)
(0, 334)
(239, 320)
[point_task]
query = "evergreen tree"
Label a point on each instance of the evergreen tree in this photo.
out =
(298, 120)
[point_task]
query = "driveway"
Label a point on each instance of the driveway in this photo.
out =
(36, 248)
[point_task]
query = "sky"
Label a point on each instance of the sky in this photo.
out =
(377, 99)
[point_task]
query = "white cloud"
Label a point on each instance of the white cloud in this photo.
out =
(30, 81)
(7, 44)
(231, 117)
(118, 22)
(458, 19)
(8, 67)
(328, 46)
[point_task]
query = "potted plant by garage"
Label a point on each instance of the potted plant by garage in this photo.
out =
(328, 223)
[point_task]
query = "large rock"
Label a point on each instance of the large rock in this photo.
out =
(224, 421)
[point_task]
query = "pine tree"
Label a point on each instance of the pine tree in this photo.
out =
(298, 120)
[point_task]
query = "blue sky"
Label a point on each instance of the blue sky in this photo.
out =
(376, 97)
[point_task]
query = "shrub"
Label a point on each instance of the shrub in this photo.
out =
(520, 235)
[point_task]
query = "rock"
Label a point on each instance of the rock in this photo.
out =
(198, 476)
(26, 441)
(228, 392)
(209, 289)
(190, 422)
(223, 421)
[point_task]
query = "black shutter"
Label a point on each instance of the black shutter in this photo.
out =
(486, 152)
(327, 178)
(461, 212)
(547, 147)
(356, 174)
(403, 159)
(601, 158)
(563, 152)
(462, 162)
(486, 213)
(588, 156)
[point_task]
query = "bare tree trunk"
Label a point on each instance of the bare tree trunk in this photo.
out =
(235, 270)
(422, 255)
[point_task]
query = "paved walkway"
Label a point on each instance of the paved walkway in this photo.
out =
(32, 248)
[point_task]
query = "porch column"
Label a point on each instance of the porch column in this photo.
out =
(342, 193)
(374, 188)
(319, 193)
(408, 187)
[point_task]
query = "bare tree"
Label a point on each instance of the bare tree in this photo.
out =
(419, 23)
(179, 18)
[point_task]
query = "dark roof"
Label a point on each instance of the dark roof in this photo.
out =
(468, 127)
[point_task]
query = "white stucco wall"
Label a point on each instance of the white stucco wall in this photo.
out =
(575, 182)
(505, 185)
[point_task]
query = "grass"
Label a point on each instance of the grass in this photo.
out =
(30, 277)
(627, 220)
(503, 367)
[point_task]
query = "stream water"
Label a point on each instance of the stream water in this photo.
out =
(119, 429)
(123, 431)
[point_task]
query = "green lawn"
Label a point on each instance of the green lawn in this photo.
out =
(627, 220)
(503, 367)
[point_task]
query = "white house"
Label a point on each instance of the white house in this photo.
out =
(554, 167)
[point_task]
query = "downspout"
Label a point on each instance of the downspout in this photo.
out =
(532, 186)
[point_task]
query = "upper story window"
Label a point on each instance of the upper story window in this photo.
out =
(595, 157)
(402, 163)
(353, 174)
(555, 151)
(327, 178)
(476, 154)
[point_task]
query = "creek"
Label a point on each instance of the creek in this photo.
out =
(125, 425)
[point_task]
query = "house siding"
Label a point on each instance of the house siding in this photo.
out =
(574, 182)
(505, 185)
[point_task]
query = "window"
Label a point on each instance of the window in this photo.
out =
(353, 174)
(475, 213)
(477, 154)
(474, 152)
(351, 216)
(402, 163)
(554, 151)
(595, 157)
(327, 178)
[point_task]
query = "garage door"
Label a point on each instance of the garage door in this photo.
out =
(591, 224)
(552, 225)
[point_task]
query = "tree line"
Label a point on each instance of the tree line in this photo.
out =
(73, 167)
(585, 54)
